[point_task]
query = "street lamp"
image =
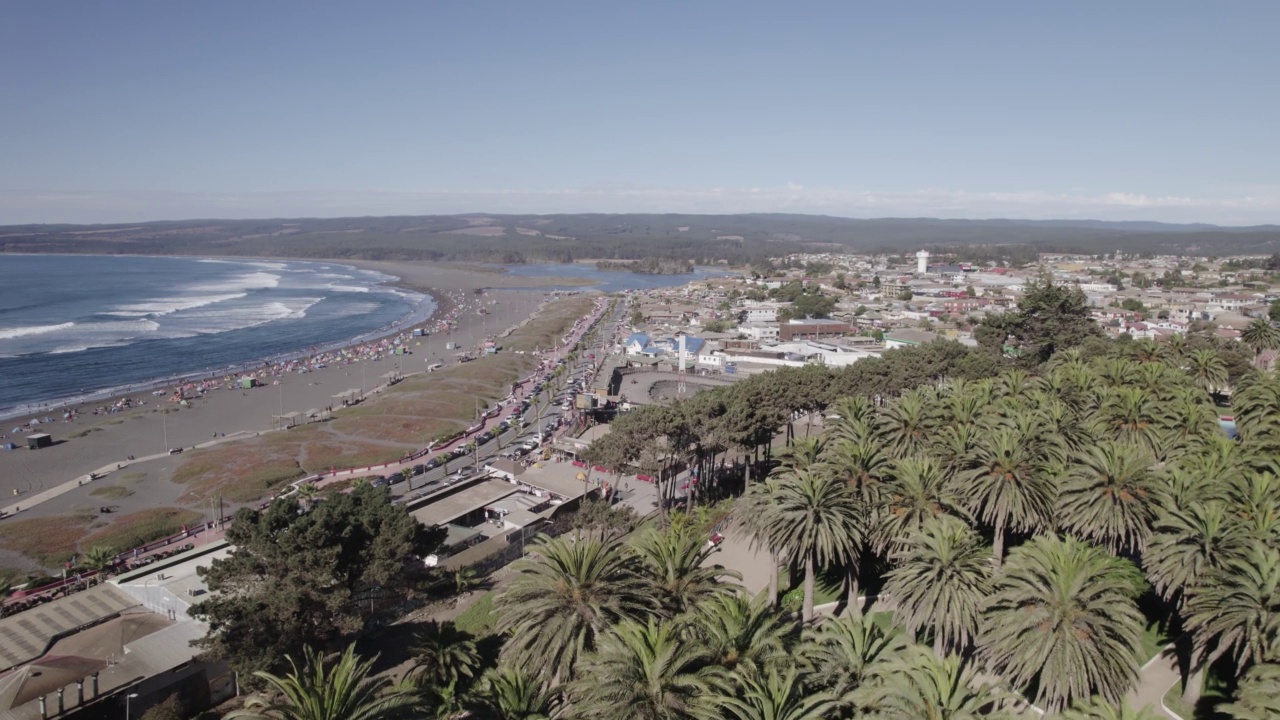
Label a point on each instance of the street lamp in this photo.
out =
(127, 698)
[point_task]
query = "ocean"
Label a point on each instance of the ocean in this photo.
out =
(78, 327)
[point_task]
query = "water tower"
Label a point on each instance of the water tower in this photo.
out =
(922, 262)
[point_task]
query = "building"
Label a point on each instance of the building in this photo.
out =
(763, 333)
(812, 328)
(759, 314)
(907, 337)
(128, 640)
(922, 262)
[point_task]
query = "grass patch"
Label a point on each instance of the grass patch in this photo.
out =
(1215, 692)
(133, 477)
(1154, 639)
(479, 619)
(240, 471)
(111, 492)
(140, 528)
(321, 456)
(82, 433)
(50, 541)
(550, 325)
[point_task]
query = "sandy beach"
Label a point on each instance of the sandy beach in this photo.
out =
(91, 441)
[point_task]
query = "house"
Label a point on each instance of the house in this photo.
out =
(760, 332)
(636, 343)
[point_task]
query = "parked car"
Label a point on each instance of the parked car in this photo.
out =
(394, 478)
(432, 464)
(418, 469)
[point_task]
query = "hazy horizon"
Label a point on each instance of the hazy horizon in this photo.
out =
(1144, 111)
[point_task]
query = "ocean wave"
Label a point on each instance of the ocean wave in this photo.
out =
(241, 283)
(216, 321)
(112, 333)
(168, 306)
(11, 333)
(347, 288)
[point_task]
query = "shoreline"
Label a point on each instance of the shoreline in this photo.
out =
(89, 435)
(154, 424)
(43, 407)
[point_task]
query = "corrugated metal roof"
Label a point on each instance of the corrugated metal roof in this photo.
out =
(25, 636)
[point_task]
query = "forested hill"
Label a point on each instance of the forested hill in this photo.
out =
(698, 238)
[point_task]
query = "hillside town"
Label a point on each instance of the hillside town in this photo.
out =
(835, 309)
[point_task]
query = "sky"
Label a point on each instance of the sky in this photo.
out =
(124, 112)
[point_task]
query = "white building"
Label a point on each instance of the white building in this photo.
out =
(760, 313)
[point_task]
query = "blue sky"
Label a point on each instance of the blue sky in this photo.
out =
(119, 112)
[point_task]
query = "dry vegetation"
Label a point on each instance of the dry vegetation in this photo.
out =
(49, 540)
(140, 528)
(389, 426)
(111, 492)
(241, 472)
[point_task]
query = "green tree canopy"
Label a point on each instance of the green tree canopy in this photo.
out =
(294, 578)
(1050, 317)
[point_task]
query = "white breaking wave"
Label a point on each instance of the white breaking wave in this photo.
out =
(241, 283)
(215, 321)
(113, 333)
(11, 333)
(168, 306)
(270, 265)
(347, 288)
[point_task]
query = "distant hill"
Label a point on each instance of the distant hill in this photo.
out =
(737, 239)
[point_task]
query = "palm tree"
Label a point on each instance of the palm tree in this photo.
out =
(856, 419)
(842, 654)
(908, 422)
(756, 519)
(646, 671)
(1131, 415)
(1063, 622)
(918, 490)
(1257, 406)
(1101, 710)
(511, 694)
(567, 594)
(1236, 612)
(1207, 370)
(1260, 335)
(317, 690)
(940, 582)
(444, 655)
(308, 491)
(919, 685)
(772, 695)
(737, 630)
(1187, 543)
(673, 564)
(1147, 351)
(99, 557)
(1256, 697)
(1009, 488)
(815, 518)
(1110, 495)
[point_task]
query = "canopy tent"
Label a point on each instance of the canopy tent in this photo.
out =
(44, 677)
